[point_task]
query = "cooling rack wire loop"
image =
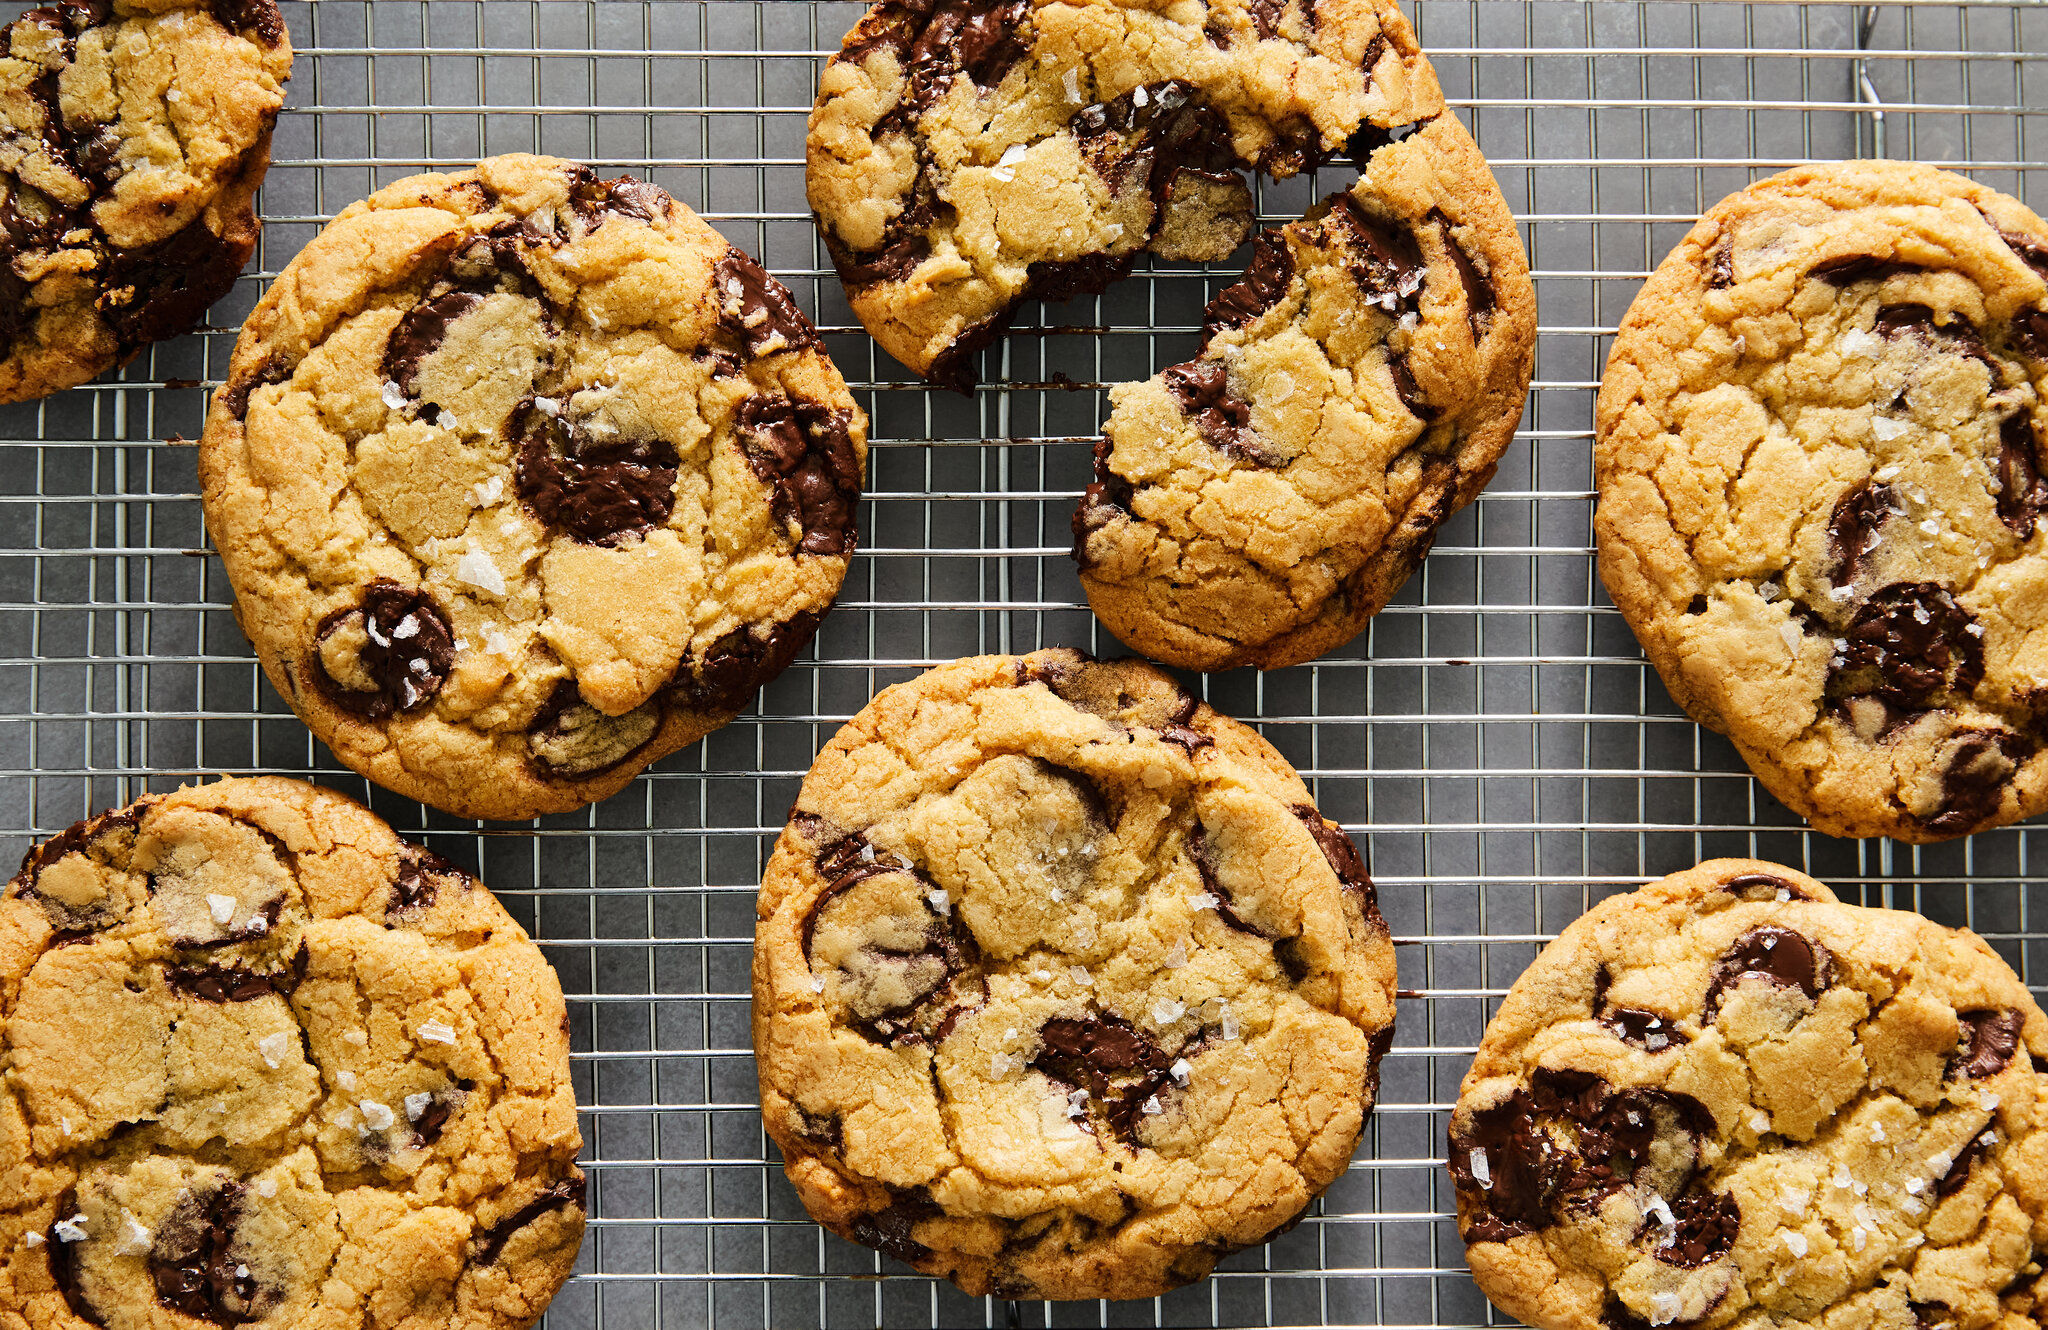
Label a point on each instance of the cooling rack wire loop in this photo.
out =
(1495, 739)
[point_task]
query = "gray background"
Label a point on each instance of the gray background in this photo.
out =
(1495, 740)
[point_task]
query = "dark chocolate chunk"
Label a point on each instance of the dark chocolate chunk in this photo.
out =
(1107, 497)
(97, 837)
(1370, 138)
(1778, 956)
(1705, 1228)
(932, 971)
(1951, 1181)
(1339, 850)
(1263, 284)
(1152, 134)
(1854, 268)
(64, 1264)
(1645, 1029)
(564, 1195)
(162, 290)
(258, 19)
(2022, 493)
(1385, 259)
(2030, 333)
(1908, 644)
(1202, 388)
(1855, 529)
(569, 739)
(1406, 388)
(1205, 864)
(433, 1118)
(598, 490)
(1091, 1051)
(2030, 251)
(421, 331)
(1265, 16)
(1988, 1041)
(193, 1266)
(805, 452)
(234, 394)
(418, 881)
(1763, 887)
(1192, 740)
(758, 309)
(889, 1230)
(1980, 765)
(232, 983)
(740, 663)
(406, 653)
(1569, 1138)
(905, 243)
(1479, 294)
(1912, 320)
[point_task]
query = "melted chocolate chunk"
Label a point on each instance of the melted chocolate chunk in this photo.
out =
(1907, 645)
(1153, 134)
(1777, 956)
(758, 309)
(70, 923)
(1385, 259)
(1107, 497)
(1951, 1182)
(905, 244)
(889, 1230)
(1202, 388)
(234, 394)
(740, 663)
(232, 983)
(945, 939)
(1479, 294)
(162, 290)
(1918, 321)
(1205, 864)
(1856, 528)
(1973, 784)
(1932, 1316)
(598, 491)
(1763, 887)
(2030, 333)
(568, 739)
(1705, 1228)
(805, 451)
(415, 886)
(422, 330)
(64, 1264)
(1265, 16)
(1568, 1139)
(490, 1243)
(1647, 1030)
(1341, 853)
(440, 1107)
(255, 18)
(1263, 284)
(193, 1266)
(2022, 493)
(1854, 268)
(1193, 740)
(406, 652)
(1407, 390)
(1989, 1039)
(597, 200)
(1370, 138)
(1090, 1051)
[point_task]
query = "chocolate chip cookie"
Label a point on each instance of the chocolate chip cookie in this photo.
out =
(1821, 492)
(1259, 503)
(268, 1064)
(1062, 986)
(524, 479)
(966, 156)
(131, 146)
(1728, 1099)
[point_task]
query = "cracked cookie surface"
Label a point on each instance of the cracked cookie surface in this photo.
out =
(1062, 986)
(525, 479)
(264, 1063)
(1820, 477)
(1256, 505)
(965, 156)
(132, 140)
(1728, 1099)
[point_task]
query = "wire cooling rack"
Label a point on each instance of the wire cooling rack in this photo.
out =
(1495, 739)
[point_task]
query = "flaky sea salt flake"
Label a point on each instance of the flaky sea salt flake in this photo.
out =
(222, 908)
(1794, 1243)
(273, 1047)
(437, 1030)
(477, 570)
(70, 1230)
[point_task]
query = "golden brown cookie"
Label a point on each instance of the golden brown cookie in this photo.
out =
(264, 1063)
(1820, 475)
(525, 479)
(1062, 986)
(132, 141)
(1728, 1100)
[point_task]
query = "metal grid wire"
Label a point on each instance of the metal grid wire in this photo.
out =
(1495, 740)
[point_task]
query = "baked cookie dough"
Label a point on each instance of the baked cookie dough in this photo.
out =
(1727, 1099)
(1062, 986)
(133, 136)
(1820, 475)
(1258, 504)
(264, 1063)
(525, 479)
